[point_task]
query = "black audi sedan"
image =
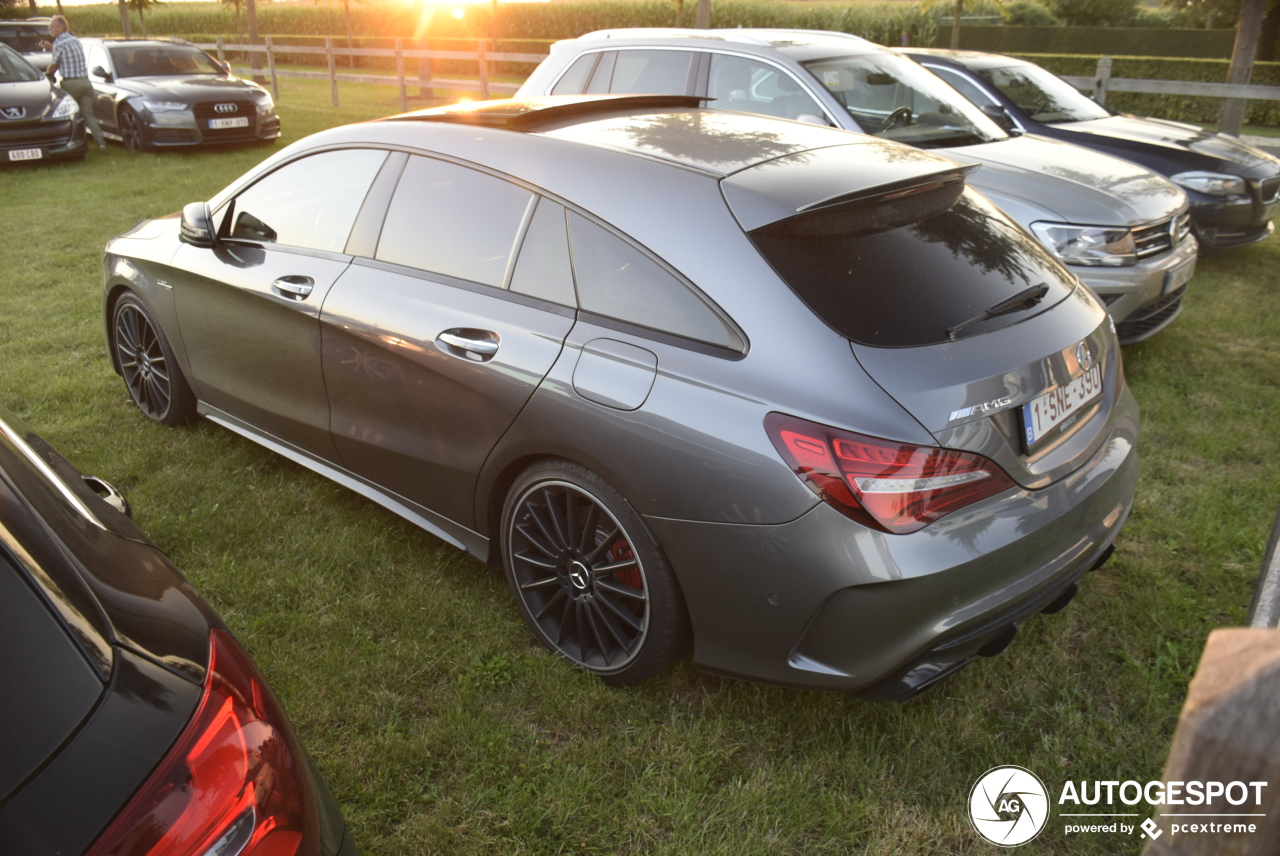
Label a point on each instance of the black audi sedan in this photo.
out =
(38, 121)
(162, 93)
(1234, 189)
(133, 722)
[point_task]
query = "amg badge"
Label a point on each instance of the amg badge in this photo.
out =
(985, 407)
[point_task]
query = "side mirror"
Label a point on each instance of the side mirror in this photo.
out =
(99, 71)
(997, 114)
(196, 227)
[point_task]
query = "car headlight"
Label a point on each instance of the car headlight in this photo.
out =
(66, 108)
(265, 105)
(165, 106)
(1088, 245)
(1211, 183)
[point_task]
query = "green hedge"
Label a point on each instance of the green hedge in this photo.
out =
(1130, 41)
(1181, 108)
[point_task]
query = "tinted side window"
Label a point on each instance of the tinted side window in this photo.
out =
(543, 269)
(309, 203)
(617, 280)
(455, 221)
(575, 77)
(738, 83)
(652, 72)
(963, 85)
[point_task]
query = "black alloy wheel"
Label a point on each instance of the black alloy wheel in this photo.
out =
(589, 578)
(132, 132)
(150, 372)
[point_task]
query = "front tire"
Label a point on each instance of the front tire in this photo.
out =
(132, 132)
(151, 374)
(590, 580)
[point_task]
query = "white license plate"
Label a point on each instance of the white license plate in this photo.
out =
(237, 122)
(1042, 416)
(1178, 277)
(26, 154)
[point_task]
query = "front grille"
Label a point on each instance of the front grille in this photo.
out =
(1161, 237)
(1269, 190)
(29, 135)
(1150, 318)
(244, 109)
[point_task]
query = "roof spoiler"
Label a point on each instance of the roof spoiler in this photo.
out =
(525, 114)
(874, 209)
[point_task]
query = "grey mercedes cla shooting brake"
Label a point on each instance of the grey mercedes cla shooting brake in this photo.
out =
(798, 397)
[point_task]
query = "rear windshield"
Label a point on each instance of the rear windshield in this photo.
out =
(918, 284)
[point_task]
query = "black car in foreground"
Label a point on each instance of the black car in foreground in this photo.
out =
(162, 93)
(133, 722)
(1234, 189)
(38, 121)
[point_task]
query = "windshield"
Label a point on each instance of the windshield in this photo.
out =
(1042, 95)
(892, 97)
(15, 69)
(162, 61)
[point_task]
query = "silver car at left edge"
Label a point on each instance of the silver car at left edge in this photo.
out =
(796, 397)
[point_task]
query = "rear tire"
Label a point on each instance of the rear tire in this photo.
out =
(151, 374)
(588, 576)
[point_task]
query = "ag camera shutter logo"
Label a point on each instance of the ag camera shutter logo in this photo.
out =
(1009, 806)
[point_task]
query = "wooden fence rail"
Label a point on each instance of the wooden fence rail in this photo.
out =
(424, 79)
(1102, 82)
(1099, 84)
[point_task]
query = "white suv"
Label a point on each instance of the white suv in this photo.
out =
(1122, 229)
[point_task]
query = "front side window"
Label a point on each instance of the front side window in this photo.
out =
(1044, 96)
(452, 220)
(893, 97)
(617, 280)
(751, 86)
(309, 203)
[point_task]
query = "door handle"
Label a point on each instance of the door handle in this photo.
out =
(470, 344)
(294, 287)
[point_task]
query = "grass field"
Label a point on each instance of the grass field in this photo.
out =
(444, 728)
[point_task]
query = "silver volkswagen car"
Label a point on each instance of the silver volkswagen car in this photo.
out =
(798, 397)
(1121, 228)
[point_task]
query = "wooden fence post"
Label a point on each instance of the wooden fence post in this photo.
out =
(333, 73)
(271, 70)
(404, 93)
(222, 54)
(425, 91)
(1100, 81)
(482, 54)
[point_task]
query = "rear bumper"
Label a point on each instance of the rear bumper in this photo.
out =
(821, 602)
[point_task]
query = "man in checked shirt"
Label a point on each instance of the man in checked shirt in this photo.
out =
(68, 57)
